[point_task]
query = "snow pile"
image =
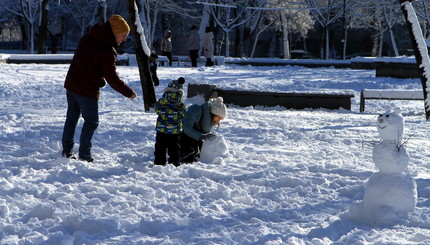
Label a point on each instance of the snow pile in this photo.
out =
(214, 149)
(390, 194)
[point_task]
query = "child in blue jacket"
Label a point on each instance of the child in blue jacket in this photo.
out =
(197, 126)
(170, 109)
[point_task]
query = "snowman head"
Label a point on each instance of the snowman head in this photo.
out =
(390, 125)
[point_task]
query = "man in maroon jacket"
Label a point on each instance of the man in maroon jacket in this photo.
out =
(93, 64)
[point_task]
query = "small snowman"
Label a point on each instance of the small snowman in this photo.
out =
(390, 194)
(390, 154)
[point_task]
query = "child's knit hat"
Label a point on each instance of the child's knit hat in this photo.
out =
(175, 85)
(218, 107)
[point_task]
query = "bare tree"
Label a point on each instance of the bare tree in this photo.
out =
(150, 11)
(326, 13)
(28, 10)
(391, 16)
(82, 12)
(422, 11)
(100, 12)
(381, 17)
(294, 18)
(227, 21)
(264, 25)
(285, 18)
(43, 27)
(142, 55)
(247, 31)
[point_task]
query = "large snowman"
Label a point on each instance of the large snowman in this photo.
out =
(390, 194)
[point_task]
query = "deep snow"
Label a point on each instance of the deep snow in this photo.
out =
(289, 176)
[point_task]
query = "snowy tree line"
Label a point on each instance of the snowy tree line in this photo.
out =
(330, 29)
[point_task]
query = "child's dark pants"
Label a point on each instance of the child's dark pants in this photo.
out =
(167, 143)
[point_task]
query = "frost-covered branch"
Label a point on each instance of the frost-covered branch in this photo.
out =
(223, 18)
(141, 32)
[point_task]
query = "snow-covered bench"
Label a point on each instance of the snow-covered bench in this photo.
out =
(373, 94)
(52, 59)
(164, 61)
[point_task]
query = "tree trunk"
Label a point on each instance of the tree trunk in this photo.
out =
(204, 22)
(345, 32)
(145, 22)
(375, 42)
(43, 28)
(257, 36)
(285, 43)
(420, 49)
(238, 45)
(63, 33)
(327, 44)
(381, 43)
(247, 35)
(393, 42)
(322, 43)
(227, 43)
(24, 33)
(31, 40)
(237, 38)
(345, 39)
(426, 26)
(142, 56)
(101, 12)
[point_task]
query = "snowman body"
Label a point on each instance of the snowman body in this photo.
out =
(390, 194)
(214, 150)
(389, 198)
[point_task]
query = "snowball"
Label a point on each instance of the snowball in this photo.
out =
(212, 149)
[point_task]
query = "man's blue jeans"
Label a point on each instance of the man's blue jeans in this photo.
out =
(89, 109)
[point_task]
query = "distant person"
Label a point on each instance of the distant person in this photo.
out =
(54, 42)
(166, 46)
(194, 45)
(153, 58)
(170, 109)
(92, 66)
(198, 123)
(209, 46)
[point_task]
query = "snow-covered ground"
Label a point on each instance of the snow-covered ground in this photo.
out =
(289, 177)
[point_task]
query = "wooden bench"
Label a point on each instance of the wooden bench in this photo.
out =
(53, 59)
(218, 60)
(162, 60)
(373, 94)
(397, 69)
(290, 100)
